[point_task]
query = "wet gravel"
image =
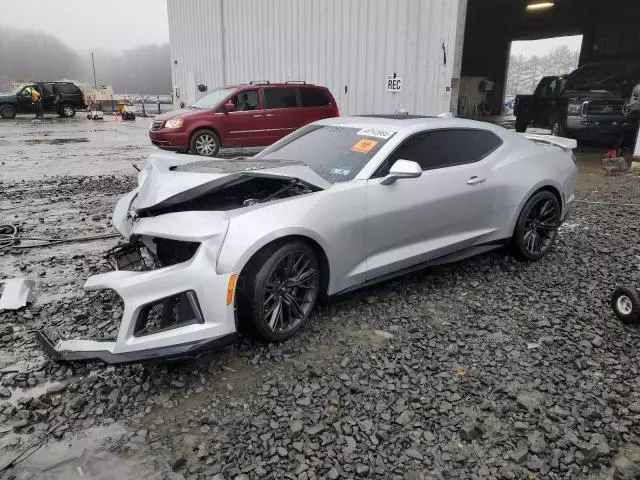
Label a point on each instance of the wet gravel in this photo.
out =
(489, 368)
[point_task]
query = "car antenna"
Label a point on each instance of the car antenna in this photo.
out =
(136, 167)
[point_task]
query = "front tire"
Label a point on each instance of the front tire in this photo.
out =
(279, 291)
(537, 226)
(8, 112)
(625, 302)
(205, 143)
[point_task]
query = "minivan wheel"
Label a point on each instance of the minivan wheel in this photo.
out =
(67, 111)
(8, 111)
(279, 291)
(537, 226)
(205, 143)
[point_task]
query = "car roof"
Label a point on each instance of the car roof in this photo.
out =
(290, 84)
(409, 123)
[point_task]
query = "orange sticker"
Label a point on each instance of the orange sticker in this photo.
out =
(364, 146)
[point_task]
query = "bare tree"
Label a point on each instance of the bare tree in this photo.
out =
(525, 73)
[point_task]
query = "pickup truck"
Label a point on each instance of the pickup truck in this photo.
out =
(587, 104)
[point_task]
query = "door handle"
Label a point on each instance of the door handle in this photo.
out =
(257, 116)
(475, 180)
(270, 114)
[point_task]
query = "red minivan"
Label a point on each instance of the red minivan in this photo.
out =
(249, 115)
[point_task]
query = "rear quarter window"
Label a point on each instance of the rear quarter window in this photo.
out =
(314, 97)
(68, 88)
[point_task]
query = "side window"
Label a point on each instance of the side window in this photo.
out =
(446, 148)
(26, 93)
(314, 97)
(280, 98)
(68, 88)
(245, 101)
(48, 89)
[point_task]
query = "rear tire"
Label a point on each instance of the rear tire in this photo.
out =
(67, 111)
(205, 143)
(537, 226)
(625, 302)
(521, 124)
(8, 112)
(279, 291)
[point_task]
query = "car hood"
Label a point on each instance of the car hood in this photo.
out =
(182, 113)
(171, 178)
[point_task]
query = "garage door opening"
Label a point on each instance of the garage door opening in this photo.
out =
(530, 60)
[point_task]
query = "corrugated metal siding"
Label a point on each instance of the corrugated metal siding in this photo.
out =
(349, 46)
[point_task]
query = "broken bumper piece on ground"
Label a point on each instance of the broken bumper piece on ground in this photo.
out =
(167, 313)
(14, 293)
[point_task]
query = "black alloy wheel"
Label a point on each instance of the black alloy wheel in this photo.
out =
(290, 292)
(537, 227)
(278, 291)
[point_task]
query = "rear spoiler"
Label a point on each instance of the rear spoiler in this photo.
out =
(562, 142)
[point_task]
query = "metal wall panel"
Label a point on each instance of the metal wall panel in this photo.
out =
(349, 46)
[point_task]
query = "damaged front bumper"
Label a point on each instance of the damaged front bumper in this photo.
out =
(169, 311)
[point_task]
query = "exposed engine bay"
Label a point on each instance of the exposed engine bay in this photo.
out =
(243, 192)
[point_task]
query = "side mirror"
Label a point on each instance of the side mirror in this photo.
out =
(402, 169)
(229, 107)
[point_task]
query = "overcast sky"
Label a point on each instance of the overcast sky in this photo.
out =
(529, 48)
(113, 25)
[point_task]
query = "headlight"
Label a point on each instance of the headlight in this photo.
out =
(574, 108)
(177, 123)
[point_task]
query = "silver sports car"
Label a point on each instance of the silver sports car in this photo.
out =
(220, 247)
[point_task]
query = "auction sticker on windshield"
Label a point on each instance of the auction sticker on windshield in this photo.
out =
(364, 146)
(376, 132)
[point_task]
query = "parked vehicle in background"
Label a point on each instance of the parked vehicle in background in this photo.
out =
(586, 104)
(63, 98)
(247, 115)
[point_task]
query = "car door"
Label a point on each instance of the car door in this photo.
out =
(448, 208)
(25, 105)
(545, 101)
(244, 127)
(48, 97)
(282, 112)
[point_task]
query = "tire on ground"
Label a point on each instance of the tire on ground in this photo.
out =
(8, 111)
(201, 134)
(67, 111)
(252, 285)
(622, 298)
(518, 239)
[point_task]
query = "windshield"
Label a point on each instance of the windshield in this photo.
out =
(212, 99)
(337, 154)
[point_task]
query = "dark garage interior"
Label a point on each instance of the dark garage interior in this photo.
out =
(610, 29)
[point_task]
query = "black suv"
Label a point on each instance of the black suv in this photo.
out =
(63, 98)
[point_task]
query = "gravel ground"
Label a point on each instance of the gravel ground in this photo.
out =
(489, 368)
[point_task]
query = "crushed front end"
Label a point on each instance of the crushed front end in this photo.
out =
(175, 304)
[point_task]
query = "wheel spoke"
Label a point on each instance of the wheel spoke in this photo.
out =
(302, 277)
(293, 304)
(277, 314)
(547, 226)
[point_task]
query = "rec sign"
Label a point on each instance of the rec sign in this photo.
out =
(394, 83)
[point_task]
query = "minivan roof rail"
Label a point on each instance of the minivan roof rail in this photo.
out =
(259, 82)
(302, 82)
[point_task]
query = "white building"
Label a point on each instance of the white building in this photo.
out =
(376, 56)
